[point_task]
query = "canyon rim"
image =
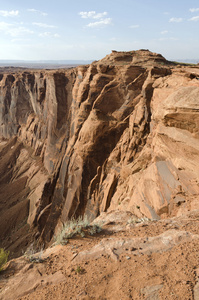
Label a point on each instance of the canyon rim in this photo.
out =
(113, 141)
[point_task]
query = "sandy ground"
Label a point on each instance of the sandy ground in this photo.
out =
(64, 273)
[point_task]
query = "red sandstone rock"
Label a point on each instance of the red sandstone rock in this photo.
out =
(121, 133)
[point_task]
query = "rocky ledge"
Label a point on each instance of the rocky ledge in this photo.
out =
(119, 134)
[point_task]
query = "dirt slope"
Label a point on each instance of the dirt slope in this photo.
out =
(127, 260)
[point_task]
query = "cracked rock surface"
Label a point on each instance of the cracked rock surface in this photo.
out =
(120, 134)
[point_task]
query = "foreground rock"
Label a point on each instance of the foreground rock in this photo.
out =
(147, 260)
(138, 246)
(121, 133)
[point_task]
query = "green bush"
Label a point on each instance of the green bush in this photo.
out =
(3, 257)
(80, 270)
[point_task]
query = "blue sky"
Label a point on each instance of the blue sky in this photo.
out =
(90, 29)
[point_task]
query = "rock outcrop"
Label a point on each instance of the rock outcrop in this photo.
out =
(121, 133)
(128, 259)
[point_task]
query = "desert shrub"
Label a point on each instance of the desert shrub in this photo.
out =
(94, 229)
(80, 226)
(3, 257)
(138, 220)
(33, 256)
(80, 270)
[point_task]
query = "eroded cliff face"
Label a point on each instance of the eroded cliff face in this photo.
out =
(121, 133)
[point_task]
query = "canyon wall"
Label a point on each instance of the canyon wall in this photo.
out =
(121, 133)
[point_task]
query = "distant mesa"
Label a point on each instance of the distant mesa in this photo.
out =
(44, 64)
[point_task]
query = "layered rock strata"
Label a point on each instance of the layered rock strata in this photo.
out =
(121, 133)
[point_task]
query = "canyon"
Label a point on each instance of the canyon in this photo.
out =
(116, 139)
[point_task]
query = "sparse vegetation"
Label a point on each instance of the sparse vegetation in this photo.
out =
(138, 220)
(72, 228)
(31, 255)
(94, 229)
(79, 270)
(3, 258)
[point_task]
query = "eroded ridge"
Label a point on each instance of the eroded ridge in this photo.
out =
(121, 133)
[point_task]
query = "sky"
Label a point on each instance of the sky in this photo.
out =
(90, 29)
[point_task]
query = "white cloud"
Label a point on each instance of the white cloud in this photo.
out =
(11, 13)
(100, 17)
(134, 26)
(164, 32)
(4, 26)
(100, 23)
(194, 9)
(18, 31)
(92, 15)
(168, 39)
(194, 19)
(37, 11)
(13, 30)
(176, 20)
(49, 34)
(43, 25)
